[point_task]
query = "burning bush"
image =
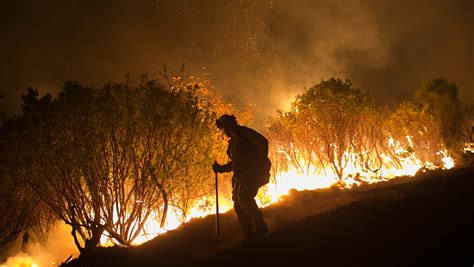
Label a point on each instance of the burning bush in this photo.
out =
(108, 161)
(333, 125)
(335, 130)
(432, 122)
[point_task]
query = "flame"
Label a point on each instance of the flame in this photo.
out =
(469, 147)
(152, 227)
(448, 161)
(408, 164)
(21, 260)
(174, 219)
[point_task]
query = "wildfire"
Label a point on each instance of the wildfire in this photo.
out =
(408, 163)
(312, 178)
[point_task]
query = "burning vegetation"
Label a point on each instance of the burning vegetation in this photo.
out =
(123, 163)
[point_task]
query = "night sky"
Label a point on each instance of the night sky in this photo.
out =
(259, 52)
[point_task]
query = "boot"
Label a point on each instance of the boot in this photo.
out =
(247, 239)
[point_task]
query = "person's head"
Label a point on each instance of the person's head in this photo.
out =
(227, 123)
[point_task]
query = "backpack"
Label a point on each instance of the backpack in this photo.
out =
(264, 177)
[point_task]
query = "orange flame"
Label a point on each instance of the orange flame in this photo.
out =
(314, 178)
(21, 260)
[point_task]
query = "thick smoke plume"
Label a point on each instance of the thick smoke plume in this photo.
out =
(254, 52)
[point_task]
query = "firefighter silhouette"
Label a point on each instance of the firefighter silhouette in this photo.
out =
(248, 154)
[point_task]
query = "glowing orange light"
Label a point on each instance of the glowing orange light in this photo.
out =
(313, 178)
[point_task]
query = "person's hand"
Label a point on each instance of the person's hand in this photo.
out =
(216, 167)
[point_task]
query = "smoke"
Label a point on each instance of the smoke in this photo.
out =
(52, 251)
(254, 52)
(309, 42)
(387, 48)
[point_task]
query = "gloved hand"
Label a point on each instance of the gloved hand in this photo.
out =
(216, 167)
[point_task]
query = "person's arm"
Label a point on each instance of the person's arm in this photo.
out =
(216, 167)
(226, 167)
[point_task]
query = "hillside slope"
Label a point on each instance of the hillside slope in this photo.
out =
(426, 220)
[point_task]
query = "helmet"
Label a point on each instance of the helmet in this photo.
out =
(225, 119)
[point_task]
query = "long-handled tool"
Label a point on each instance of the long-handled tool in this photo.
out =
(217, 208)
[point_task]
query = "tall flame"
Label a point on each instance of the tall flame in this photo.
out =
(408, 164)
(313, 178)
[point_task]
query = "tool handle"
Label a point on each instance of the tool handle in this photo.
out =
(217, 208)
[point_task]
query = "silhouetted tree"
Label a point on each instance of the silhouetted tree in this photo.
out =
(21, 208)
(107, 160)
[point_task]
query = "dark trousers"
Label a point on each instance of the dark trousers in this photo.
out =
(249, 215)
